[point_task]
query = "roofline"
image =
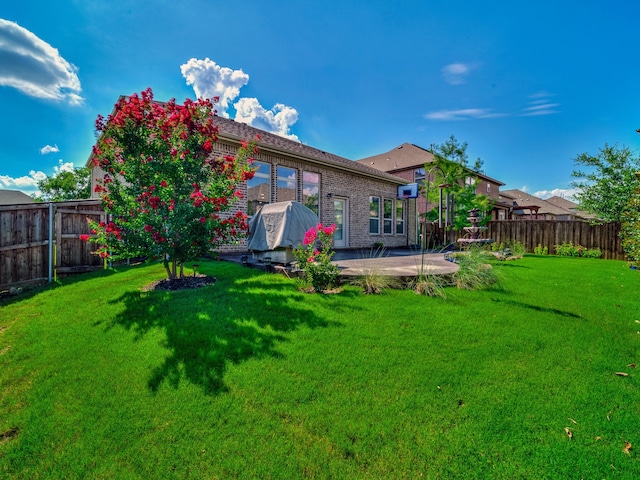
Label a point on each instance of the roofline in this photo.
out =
(377, 174)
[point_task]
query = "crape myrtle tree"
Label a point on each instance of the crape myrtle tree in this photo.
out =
(166, 194)
(451, 167)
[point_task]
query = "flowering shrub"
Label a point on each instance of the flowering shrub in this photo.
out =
(165, 191)
(540, 250)
(577, 250)
(314, 258)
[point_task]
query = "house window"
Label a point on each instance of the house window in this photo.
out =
(399, 217)
(374, 215)
(419, 176)
(311, 191)
(387, 219)
(287, 184)
(259, 188)
(488, 188)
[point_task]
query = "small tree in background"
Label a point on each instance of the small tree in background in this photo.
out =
(65, 185)
(607, 186)
(630, 227)
(451, 167)
(166, 193)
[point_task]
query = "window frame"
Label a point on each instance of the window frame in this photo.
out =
(399, 222)
(305, 184)
(287, 180)
(259, 175)
(387, 221)
(374, 218)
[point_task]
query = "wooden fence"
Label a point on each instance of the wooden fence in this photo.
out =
(549, 233)
(41, 240)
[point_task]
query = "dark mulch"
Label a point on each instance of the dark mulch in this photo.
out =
(185, 283)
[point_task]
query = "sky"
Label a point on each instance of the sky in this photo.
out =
(527, 85)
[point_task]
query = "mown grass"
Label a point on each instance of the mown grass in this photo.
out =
(250, 378)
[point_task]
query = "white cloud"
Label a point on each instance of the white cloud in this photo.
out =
(462, 114)
(567, 193)
(456, 73)
(211, 80)
(524, 189)
(34, 67)
(49, 149)
(540, 105)
(29, 183)
(278, 120)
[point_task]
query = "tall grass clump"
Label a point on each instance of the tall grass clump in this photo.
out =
(373, 280)
(475, 271)
(428, 283)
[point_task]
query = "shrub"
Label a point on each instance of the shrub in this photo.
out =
(314, 258)
(540, 250)
(577, 250)
(475, 272)
(373, 280)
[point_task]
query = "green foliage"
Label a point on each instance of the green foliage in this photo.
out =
(540, 250)
(577, 250)
(451, 167)
(167, 194)
(66, 185)
(630, 227)
(314, 258)
(606, 184)
(476, 271)
(251, 378)
(373, 280)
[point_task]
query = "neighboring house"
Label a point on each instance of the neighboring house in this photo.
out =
(571, 206)
(361, 200)
(411, 162)
(528, 207)
(14, 197)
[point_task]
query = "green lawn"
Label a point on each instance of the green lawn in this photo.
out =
(249, 378)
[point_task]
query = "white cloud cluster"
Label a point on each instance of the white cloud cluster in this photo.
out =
(34, 67)
(462, 114)
(568, 193)
(540, 105)
(456, 73)
(49, 149)
(277, 120)
(29, 183)
(211, 80)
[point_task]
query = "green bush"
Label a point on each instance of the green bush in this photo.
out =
(577, 250)
(540, 250)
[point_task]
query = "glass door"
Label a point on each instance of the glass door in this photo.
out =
(340, 218)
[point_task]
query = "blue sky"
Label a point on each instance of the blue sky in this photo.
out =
(528, 86)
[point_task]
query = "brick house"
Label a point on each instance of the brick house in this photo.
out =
(408, 161)
(525, 206)
(361, 200)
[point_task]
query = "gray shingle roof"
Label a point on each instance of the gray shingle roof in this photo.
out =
(269, 141)
(407, 156)
(14, 197)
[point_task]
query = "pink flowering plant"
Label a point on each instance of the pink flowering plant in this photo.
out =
(167, 194)
(314, 258)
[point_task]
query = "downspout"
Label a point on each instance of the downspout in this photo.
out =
(51, 242)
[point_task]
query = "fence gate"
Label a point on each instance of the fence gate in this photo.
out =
(40, 240)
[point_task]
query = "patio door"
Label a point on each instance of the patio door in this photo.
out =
(341, 219)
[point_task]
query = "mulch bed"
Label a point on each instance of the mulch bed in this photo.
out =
(184, 283)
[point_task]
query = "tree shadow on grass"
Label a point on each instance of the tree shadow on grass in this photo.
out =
(206, 329)
(537, 308)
